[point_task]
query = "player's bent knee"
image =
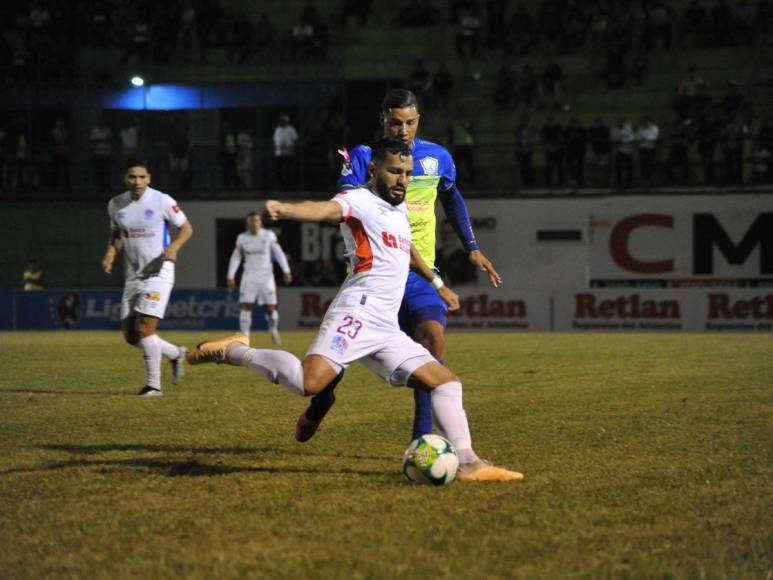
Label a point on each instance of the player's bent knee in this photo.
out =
(431, 376)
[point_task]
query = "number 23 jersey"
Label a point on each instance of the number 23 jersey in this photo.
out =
(377, 238)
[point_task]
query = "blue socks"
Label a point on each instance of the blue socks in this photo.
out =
(322, 401)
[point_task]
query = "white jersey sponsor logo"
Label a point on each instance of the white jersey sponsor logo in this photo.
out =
(377, 238)
(144, 226)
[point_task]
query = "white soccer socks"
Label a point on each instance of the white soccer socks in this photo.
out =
(278, 366)
(169, 350)
(245, 322)
(151, 353)
(273, 320)
(452, 420)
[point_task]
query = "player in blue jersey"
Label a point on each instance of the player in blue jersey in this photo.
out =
(422, 314)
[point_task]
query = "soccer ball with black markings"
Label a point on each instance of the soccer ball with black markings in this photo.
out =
(430, 459)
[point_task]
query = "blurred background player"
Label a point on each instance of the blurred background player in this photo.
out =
(257, 246)
(33, 277)
(422, 313)
(361, 324)
(139, 222)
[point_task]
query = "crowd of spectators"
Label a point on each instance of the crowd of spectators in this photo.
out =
(710, 136)
(638, 153)
(40, 39)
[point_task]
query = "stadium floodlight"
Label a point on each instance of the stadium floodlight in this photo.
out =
(138, 81)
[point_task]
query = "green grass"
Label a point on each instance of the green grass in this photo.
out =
(645, 455)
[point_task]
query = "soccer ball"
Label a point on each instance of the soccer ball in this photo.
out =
(430, 459)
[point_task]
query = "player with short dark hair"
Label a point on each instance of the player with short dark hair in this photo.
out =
(361, 323)
(422, 314)
(139, 224)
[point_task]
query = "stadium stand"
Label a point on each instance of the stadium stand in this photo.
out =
(519, 60)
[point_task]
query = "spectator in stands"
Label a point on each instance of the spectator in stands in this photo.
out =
(743, 23)
(519, 35)
(552, 138)
(550, 23)
(639, 67)
(99, 25)
(624, 143)
(228, 156)
(505, 86)
(468, 35)
(615, 72)
(179, 160)
(102, 151)
(658, 26)
(33, 277)
(139, 41)
(677, 163)
(245, 164)
(527, 88)
(60, 156)
(693, 33)
(763, 17)
(3, 168)
(707, 135)
(285, 143)
(688, 93)
(763, 147)
(524, 151)
(420, 80)
(496, 19)
(551, 87)
(601, 146)
(733, 137)
(734, 101)
(599, 26)
(575, 136)
(21, 60)
(359, 9)
(187, 31)
(211, 15)
(462, 140)
(442, 85)
(302, 41)
(239, 41)
(415, 14)
(130, 140)
(23, 176)
(265, 37)
(721, 24)
(647, 134)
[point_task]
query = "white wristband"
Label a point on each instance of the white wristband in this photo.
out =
(437, 282)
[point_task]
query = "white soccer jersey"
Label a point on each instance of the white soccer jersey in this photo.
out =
(257, 251)
(144, 226)
(377, 237)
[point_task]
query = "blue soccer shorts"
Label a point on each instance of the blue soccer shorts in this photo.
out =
(421, 302)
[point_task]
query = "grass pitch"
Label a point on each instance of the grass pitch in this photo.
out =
(645, 455)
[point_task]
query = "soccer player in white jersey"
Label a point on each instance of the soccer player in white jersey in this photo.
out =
(257, 246)
(361, 323)
(139, 222)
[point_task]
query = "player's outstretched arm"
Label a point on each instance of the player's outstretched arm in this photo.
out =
(448, 296)
(306, 211)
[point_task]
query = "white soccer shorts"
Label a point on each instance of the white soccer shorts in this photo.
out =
(386, 352)
(263, 292)
(149, 296)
